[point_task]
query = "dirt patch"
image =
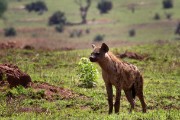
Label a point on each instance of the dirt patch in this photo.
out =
(133, 55)
(14, 75)
(52, 92)
(8, 45)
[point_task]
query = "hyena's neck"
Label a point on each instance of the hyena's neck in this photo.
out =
(109, 63)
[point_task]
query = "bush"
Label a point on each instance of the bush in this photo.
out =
(157, 16)
(57, 18)
(104, 6)
(87, 73)
(168, 15)
(132, 33)
(38, 6)
(99, 38)
(167, 4)
(8, 32)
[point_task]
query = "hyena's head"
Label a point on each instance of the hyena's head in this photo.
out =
(98, 52)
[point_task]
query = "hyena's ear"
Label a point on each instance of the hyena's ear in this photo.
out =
(93, 46)
(104, 47)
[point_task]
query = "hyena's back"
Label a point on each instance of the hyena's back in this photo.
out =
(122, 74)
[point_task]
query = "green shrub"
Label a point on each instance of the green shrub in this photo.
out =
(19, 90)
(87, 73)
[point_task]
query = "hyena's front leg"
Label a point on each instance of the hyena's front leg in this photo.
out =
(117, 102)
(110, 96)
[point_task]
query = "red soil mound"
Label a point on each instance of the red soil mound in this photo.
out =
(8, 45)
(133, 55)
(14, 75)
(52, 92)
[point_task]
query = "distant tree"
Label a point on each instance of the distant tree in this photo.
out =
(99, 38)
(83, 9)
(132, 32)
(10, 32)
(39, 6)
(167, 4)
(57, 18)
(104, 6)
(3, 7)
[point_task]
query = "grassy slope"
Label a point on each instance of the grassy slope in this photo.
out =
(120, 17)
(161, 73)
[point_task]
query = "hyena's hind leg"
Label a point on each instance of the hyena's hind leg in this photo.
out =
(139, 91)
(129, 97)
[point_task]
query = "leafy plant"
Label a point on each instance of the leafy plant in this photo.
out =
(87, 73)
(19, 90)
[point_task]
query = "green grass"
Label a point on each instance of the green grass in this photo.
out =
(161, 85)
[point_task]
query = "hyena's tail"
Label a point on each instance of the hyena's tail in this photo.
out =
(133, 91)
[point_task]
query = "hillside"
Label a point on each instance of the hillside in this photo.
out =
(33, 29)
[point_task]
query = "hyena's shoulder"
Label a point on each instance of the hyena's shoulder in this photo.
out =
(128, 66)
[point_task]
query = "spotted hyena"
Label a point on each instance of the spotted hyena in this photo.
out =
(120, 74)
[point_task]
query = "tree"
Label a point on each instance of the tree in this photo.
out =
(57, 18)
(83, 9)
(38, 6)
(3, 7)
(104, 6)
(167, 4)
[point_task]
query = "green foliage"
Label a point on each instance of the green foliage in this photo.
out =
(3, 7)
(19, 90)
(87, 73)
